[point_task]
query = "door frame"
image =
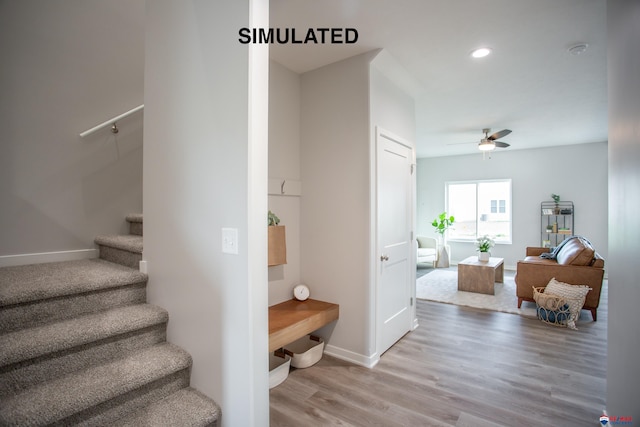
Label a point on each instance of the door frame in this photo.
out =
(375, 249)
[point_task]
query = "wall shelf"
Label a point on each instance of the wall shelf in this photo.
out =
(294, 319)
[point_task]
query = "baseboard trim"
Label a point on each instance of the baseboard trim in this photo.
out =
(350, 356)
(39, 258)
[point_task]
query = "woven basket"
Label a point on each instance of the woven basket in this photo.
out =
(551, 308)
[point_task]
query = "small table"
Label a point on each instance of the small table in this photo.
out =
(480, 276)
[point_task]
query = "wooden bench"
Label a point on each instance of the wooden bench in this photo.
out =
(294, 319)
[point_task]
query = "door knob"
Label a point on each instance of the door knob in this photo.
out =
(384, 257)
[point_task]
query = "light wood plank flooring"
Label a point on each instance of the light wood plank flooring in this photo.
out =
(461, 367)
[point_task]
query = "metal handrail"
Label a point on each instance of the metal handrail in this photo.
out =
(111, 122)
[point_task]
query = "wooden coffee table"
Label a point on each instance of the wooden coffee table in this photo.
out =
(480, 276)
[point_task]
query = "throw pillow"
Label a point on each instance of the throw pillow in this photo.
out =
(574, 295)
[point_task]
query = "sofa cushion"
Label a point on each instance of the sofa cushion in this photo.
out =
(423, 252)
(576, 251)
(538, 260)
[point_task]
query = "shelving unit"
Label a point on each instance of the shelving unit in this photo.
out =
(556, 222)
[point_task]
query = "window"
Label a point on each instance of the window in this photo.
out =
(498, 206)
(480, 207)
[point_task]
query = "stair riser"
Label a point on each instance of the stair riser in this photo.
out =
(21, 375)
(45, 311)
(135, 228)
(108, 412)
(119, 256)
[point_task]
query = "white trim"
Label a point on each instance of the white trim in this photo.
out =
(350, 356)
(39, 258)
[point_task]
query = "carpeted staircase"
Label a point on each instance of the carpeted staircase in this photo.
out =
(79, 345)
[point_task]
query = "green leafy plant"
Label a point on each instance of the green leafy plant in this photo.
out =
(484, 243)
(556, 198)
(442, 223)
(272, 219)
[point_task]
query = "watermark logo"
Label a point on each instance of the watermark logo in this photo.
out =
(291, 36)
(614, 420)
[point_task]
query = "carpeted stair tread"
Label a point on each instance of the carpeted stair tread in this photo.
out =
(185, 408)
(35, 282)
(61, 398)
(130, 242)
(38, 341)
(134, 217)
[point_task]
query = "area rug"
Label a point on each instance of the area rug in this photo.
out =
(442, 286)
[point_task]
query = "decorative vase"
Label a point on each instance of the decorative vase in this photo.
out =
(443, 257)
(484, 256)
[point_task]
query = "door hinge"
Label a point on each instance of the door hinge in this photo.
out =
(411, 302)
(412, 168)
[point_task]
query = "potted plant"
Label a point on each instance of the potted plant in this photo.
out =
(483, 245)
(556, 200)
(441, 224)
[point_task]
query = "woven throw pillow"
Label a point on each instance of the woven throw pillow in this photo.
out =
(574, 295)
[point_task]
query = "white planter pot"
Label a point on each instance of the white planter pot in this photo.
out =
(484, 256)
(444, 256)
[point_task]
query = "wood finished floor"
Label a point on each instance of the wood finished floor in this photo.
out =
(460, 367)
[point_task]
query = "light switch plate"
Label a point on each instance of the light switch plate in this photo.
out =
(230, 241)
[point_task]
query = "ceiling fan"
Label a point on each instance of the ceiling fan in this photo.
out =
(489, 142)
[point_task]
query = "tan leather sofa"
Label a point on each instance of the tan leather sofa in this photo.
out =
(576, 263)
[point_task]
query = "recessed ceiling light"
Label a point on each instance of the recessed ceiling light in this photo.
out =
(481, 53)
(578, 49)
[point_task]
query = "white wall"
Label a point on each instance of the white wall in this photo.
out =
(341, 105)
(335, 203)
(623, 371)
(205, 168)
(284, 164)
(66, 67)
(577, 173)
(392, 108)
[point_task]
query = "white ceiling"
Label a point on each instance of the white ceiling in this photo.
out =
(530, 84)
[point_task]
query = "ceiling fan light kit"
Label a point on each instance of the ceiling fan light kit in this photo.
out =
(486, 145)
(489, 143)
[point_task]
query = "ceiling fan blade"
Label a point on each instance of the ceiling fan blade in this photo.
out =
(498, 135)
(501, 144)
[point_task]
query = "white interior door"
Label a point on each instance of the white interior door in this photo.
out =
(395, 244)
